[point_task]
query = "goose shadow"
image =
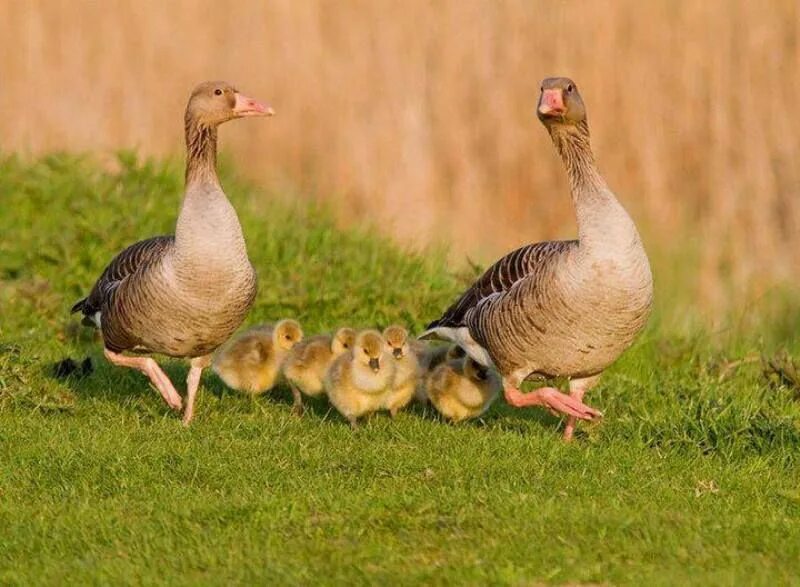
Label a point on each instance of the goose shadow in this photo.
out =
(91, 377)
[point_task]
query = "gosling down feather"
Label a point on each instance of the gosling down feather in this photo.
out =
(560, 308)
(406, 370)
(252, 361)
(308, 361)
(359, 381)
(182, 295)
(429, 357)
(462, 389)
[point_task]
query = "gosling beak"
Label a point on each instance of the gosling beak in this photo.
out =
(551, 103)
(248, 107)
(398, 353)
(375, 364)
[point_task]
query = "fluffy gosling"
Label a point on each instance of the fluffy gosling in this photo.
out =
(406, 372)
(462, 389)
(430, 356)
(358, 381)
(309, 360)
(251, 362)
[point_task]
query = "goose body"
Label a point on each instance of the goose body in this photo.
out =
(560, 308)
(182, 295)
(572, 314)
(181, 299)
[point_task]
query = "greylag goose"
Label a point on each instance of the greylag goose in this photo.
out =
(252, 361)
(462, 389)
(182, 295)
(307, 363)
(406, 370)
(358, 381)
(560, 308)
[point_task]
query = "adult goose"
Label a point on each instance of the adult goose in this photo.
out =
(182, 295)
(560, 308)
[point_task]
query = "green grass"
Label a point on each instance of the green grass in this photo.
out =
(692, 478)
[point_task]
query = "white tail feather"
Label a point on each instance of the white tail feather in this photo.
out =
(462, 338)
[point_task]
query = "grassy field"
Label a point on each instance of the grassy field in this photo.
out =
(692, 478)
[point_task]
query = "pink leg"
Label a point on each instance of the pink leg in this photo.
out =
(150, 368)
(577, 388)
(552, 399)
(192, 383)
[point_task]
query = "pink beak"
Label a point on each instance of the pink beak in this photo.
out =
(248, 107)
(552, 102)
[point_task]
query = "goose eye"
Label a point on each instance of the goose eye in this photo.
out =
(218, 92)
(569, 88)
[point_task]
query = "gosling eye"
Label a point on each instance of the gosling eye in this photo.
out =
(217, 92)
(345, 345)
(287, 337)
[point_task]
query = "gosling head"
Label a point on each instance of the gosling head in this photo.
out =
(213, 103)
(368, 349)
(397, 339)
(286, 334)
(474, 370)
(560, 103)
(455, 352)
(343, 340)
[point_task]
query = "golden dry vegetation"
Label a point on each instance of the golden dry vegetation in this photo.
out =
(419, 115)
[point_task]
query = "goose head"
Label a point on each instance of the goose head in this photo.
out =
(560, 102)
(342, 341)
(368, 349)
(287, 333)
(213, 103)
(397, 339)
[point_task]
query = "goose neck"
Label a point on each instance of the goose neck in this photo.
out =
(201, 153)
(574, 147)
(602, 221)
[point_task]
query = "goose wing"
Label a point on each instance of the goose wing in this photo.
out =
(525, 262)
(125, 264)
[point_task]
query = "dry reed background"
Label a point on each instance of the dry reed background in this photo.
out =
(419, 115)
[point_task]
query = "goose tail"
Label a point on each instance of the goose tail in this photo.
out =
(91, 317)
(459, 335)
(78, 306)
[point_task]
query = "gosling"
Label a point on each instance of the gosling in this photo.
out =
(430, 356)
(251, 362)
(406, 372)
(306, 364)
(462, 389)
(358, 381)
